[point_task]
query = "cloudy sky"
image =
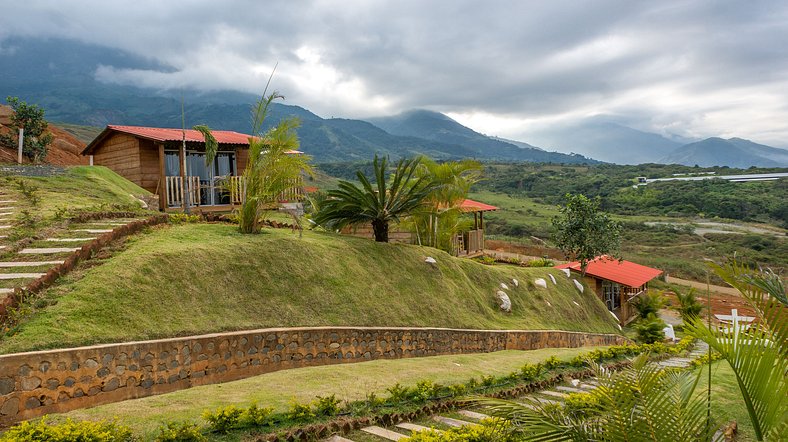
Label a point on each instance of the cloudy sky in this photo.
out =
(507, 68)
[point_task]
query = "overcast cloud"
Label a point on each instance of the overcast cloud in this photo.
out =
(690, 68)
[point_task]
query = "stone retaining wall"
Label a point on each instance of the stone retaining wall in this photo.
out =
(37, 383)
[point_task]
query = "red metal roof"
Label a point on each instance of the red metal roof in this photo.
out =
(168, 134)
(623, 272)
(475, 206)
(165, 134)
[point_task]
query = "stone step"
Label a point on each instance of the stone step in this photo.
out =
(93, 230)
(70, 239)
(7, 201)
(414, 427)
(588, 387)
(21, 275)
(3, 236)
(555, 394)
(384, 433)
(473, 415)
(456, 423)
(570, 389)
(6, 291)
(47, 251)
(107, 224)
(3, 247)
(12, 264)
(5, 227)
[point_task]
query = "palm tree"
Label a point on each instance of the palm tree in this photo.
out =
(452, 180)
(640, 403)
(272, 167)
(378, 204)
(758, 356)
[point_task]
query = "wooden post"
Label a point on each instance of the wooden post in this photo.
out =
(184, 185)
(21, 143)
(91, 160)
(162, 187)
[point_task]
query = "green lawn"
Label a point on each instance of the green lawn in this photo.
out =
(200, 278)
(280, 389)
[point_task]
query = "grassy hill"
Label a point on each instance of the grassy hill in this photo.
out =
(200, 278)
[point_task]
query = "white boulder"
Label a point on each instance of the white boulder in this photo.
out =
(515, 282)
(539, 282)
(430, 260)
(579, 286)
(548, 303)
(552, 278)
(505, 302)
(566, 272)
(504, 286)
(576, 303)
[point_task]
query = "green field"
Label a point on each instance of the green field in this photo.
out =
(200, 278)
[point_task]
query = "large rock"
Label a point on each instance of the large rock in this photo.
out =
(540, 282)
(552, 278)
(504, 302)
(579, 286)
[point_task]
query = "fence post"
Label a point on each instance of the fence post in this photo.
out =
(21, 143)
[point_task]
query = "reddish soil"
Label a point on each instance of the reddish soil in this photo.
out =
(64, 150)
(522, 249)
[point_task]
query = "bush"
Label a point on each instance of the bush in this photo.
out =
(648, 303)
(540, 262)
(490, 430)
(256, 416)
(398, 393)
(300, 412)
(223, 419)
(68, 431)
(552, 362)
(182, 218)
(689, 307)
(326, 406)
(180, 432)
(529, 372)
(649, 330)
(584, 404)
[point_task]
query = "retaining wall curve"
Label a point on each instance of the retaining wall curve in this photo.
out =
(43, 382)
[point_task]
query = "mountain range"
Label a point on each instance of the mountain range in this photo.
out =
(61, 78)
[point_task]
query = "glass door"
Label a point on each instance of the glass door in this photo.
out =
(195, 166)
(612, 293)
(223, 168)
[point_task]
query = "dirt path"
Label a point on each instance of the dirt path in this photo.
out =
(701, 286)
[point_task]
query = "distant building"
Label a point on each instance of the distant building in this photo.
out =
(617, 283)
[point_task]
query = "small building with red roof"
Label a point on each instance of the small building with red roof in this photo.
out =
(616, 282)
(155, 159)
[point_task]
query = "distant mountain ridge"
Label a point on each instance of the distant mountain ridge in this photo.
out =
(733, 152)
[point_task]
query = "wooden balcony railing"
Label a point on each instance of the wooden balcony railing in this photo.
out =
(234, 185)
(174, 190)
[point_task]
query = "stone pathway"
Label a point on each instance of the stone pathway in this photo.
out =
(552, 395)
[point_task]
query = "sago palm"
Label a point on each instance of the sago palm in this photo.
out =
(640, 403)
(385, 201)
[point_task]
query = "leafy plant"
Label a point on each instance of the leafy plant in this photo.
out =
(29, 192)
(180, 432)
(223, 419)
(398, 393)
(540, 262)
(300, 412)
(37, 137)
(530, 372)
(326, 405)
(386, 202)
(689, 307)
(68, 431)
(256, 416)
(648, 304)
(649, 329)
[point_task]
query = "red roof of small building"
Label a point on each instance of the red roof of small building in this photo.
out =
(475, 206)
(623, 272)
(162, 134)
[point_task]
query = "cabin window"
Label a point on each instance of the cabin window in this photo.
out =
(172, 165)
(612, 295)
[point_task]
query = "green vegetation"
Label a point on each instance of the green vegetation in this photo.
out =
(198, 278)
(582, 232)
(36, 136)
(380, 204)
(68, 431)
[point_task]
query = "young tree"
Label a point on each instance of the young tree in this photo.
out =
(380, 204)
(583, 232)
(36, 136)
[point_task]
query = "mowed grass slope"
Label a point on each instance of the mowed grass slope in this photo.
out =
(201, 278)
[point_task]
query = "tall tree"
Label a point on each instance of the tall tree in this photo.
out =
(37, 138)
(583, 232)
(380, 203)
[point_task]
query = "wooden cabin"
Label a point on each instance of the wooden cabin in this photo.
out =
(616, 282)
(155, 159)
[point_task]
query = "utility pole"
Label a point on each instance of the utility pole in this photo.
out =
(21, 143)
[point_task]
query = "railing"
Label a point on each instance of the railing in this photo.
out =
(237, 189)
(174, 190)
(475, 240)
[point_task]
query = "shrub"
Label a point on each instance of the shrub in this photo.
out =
(487, 260)
(68, 431)
(398, 393)
(488, 380)
(540, 262)
(582, 403)
(530, 372)
(223, 419)
(29, 191)
(648, 303)
(490, 430)
(649, 330)
(256, 416)
(552, 362)
(425, 390)
(326, 406)
(180, 432)
(689, 307)
(183, 218)
(300, 412)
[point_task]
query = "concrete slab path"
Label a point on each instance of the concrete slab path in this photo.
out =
(12, 264)
(21, 275)
(47, 251)
(384, 433)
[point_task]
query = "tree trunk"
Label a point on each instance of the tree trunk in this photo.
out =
(381, 230)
